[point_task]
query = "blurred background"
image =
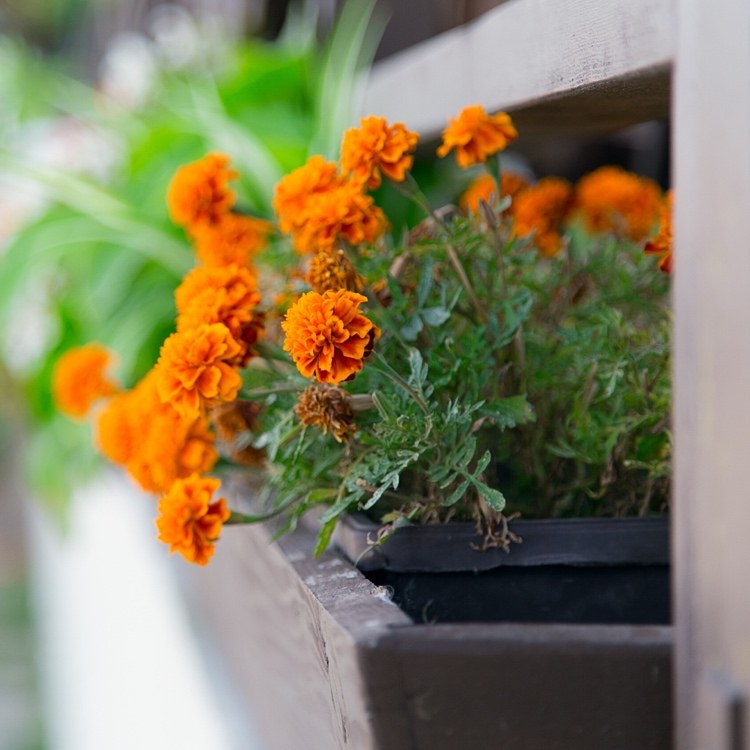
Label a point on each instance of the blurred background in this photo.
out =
(100, 101)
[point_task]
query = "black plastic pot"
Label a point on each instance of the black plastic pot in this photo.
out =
(607, 571)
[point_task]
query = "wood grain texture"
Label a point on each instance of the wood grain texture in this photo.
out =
(324, 661)
(526, 54)
(712, 361)
(292, 643)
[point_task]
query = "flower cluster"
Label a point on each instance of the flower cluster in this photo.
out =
(608, 200)
(200, 200)
(357, 371)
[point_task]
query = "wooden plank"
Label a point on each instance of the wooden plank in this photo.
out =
(527, 687)
(291, 642)
(526, 56)
(712, 361)
(324, 661)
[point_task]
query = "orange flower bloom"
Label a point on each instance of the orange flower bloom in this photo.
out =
(327, 335)
(151, 440)
(115, 434)
(78, 379)
(171, 447)
(317, 207)
(295, 190)
(188, 521)
(195, 368)
(613, 200)
(232, 239)
(661, 244)
(343, 212)
(542, 209)
(475, 135)
(376, 147)
(223, 294)
(484, 188)
(198, 193)
(332, 271)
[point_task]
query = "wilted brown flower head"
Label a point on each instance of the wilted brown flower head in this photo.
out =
(332, 270)
(329, 409)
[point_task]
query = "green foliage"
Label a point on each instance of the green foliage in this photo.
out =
(549, 398)
(100, 259)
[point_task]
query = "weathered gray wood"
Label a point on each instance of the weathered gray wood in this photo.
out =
(712, 386)
(275, 613)
(571, 63)
(527, 687)
(324, 661)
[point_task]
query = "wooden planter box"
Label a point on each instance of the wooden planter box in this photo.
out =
(324, 659)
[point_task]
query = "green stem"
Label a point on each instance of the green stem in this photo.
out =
(411, 190)
(389, 372)
(291, 434)
(519, 345)
(260, 392)
(237, 518)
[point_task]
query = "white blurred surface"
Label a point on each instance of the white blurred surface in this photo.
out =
(119, 661)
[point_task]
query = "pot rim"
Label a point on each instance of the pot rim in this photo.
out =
(455, 546)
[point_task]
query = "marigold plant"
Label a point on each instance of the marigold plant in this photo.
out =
(199, 194)
(224, 294)
(232, 238)
(197, 366)
(190, 521)
(375, 149)
(295, 190)
(541, 211)
(79, 379)
(613, 200)
(484, 188)
(331, 271)
(327, 335)
(151, 440)
(508, 357)
(475, 136)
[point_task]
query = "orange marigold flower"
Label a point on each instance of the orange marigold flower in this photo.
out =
(542, 209)
(328, 408)
(377, 147)
(327, 335)
(342, 212)
(614, 200)
(484, 188)
(171, 447)
(475, 135)
(295, 190)
(189, 522)
(196, 368)
(222, 294)
(232, 239)
(78, 379)
(317, 206)
(115, 434)
(151, 440)
(332, 271)
(661, 244)
(199, 194)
